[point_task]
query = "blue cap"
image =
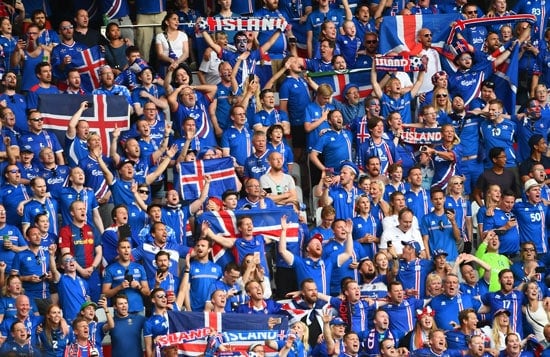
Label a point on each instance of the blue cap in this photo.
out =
(414, 244)
(350, 165)
(337, 321)
(348, 87)
(439, 252)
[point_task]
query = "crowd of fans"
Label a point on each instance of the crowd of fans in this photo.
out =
(392, 266)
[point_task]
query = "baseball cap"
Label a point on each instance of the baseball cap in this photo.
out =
(317, 236)
(350, 86)
(122, 163)
(337, 321)
(501, 311)
(413, 244)
(88, 303)
(439, 252)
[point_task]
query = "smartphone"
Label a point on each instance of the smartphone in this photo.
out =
(278, 320)
(102, 297)
(292, 40)
(257, 255)
(251, 77)
(390, 244)
(329, 171)
(159, 272)
(43, 276)
(500, 232)
(124, 232)
(267, 190)
(449, 210)
(540, 270)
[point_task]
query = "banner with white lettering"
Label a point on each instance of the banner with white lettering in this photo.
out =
(421, 136)
(195, 332)
(242, 24)
(401, 63)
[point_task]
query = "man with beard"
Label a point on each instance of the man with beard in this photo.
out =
(467, 129)
(282, 186)
(341, 195)
(109, 87)
(334, 144)
(47, 37)
(530, 213)
(313, 265)
(66, 55)
(43, 71)
(81, 240)
(13, 100)
(165, 279)
(72, 289)
(372, 284)
(377, 146)
(228, 284)
(312, 307)
(199, 275)
(506, 298)
(146, 252)
(126, 277)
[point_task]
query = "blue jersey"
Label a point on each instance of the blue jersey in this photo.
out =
(13, 234)
(57, 56)
(335, 147)
(314, 112)
(419, 203)
(463, 209)
(343, 270)
(348, 48)
(413, 274)
(467, 83)
(155, 325)
(199, 112)
(512, 302)
(223, 105)
(8, 47)
(238, 142)
(270, 307)
(403, 315)
(265, 118)
(36, 142)
(201, 277)
(278, 50)
(256, 166)
(445, 169)
(121, 190)
(525, 129)
(126, 335)
(344, 201)
(66, 195)
(531, 220)
(243, 247)
(357, 315)
(467, 128)
(73, 292)
(177, 218)
(116, 273)
(509, 241)
(249, 64)
(54, 345)
(34, 207)
(401, 105)
(296, 92)
(56, 178)
(146, 252)
(75, 149)
(27, 263)
(94, 177)
(318, 270)
(385, 151)
(18, 104)
(363, 226)
(440, 234)
(316, 18)
(150, 7)
(446, 309)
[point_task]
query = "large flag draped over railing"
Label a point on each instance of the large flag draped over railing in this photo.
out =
(104, 114)
(190, 331)
(338, 80)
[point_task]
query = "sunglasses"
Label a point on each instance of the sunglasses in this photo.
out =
(13, 171)
(65, 28)
(69, 260)
(371, 42)
(143, 191)
(37, 119)
(443, 95)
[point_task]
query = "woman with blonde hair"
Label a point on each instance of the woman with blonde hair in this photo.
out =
(499, 330)
(434, 283)
(461, 205)
(379, 207)
(442, 104)
(296, 342)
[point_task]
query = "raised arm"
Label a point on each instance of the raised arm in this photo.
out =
(71, 129)
(109, 177)
(287, 256)
(346, 254)
(113, 150)
(374, 80)
(197, 204)
(149, 179)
